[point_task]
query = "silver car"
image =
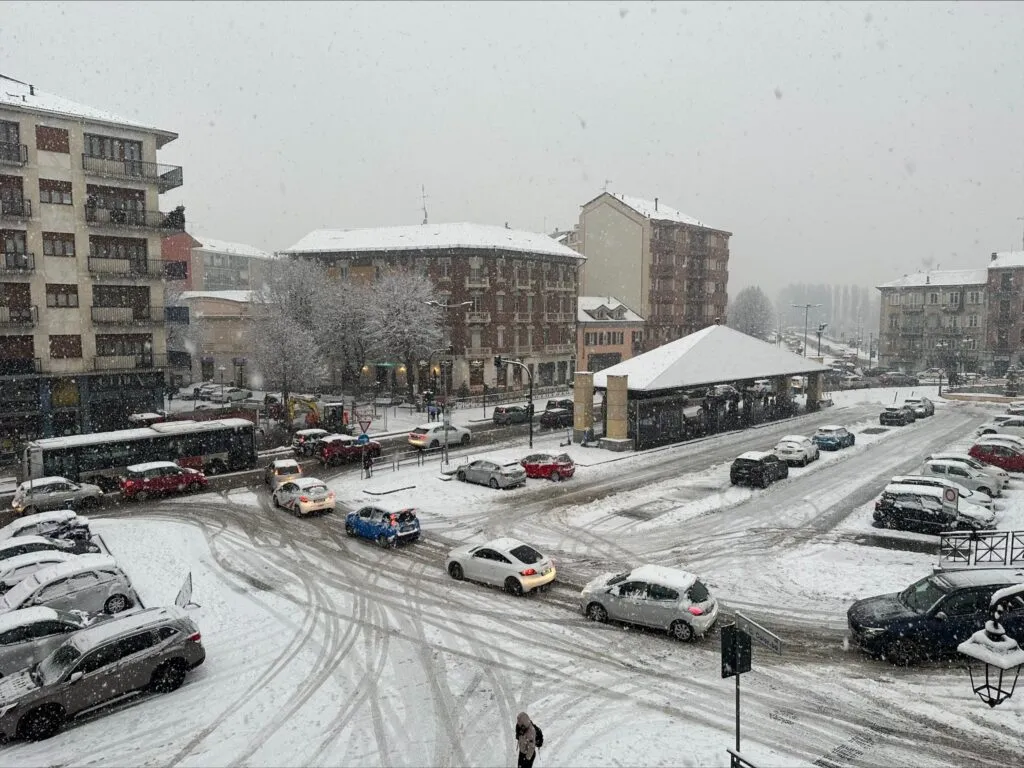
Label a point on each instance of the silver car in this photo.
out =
(963, 475)
(281, 471)
(492, 473)
(29, 635)
(999, 476)
(20, 567)
(55, 524)
(90, 583)
(54, 493)
(652, 596)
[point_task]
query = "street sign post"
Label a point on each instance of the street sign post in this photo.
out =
(759, 634)
(363, 439)
(737, 657)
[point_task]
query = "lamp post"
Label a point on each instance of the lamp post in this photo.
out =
(807, 311)
(500, 361)
(821, 330)
(446, 416)
(221, 372)
(941, 347)
(998, 653)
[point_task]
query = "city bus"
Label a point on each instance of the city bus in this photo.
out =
(225, 445)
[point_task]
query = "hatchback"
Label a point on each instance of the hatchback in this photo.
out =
(963, 475)
(652, 596)
(920, 508)
(832, 437)
(19, 567)
(922, 406)
(55, 524)
(304, 496)
(54, 493)
(306, 441)
(90, 583)
(156, 478)
(999, 476)
(492, 473)
(1005, 457)
(510, 414)
(894, 416)
(556, 418)
(758, 468)
(549, 465)
(797, 449)
(387, 528)
(27, 636)
(506, 562)
(281, 471)
(1011, 426)
(434, 435)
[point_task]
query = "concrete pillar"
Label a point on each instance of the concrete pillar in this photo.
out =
(583, 405)
(616, 400)
(815, 382)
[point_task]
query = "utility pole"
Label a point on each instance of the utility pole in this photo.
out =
(807, 311)
(423, 198)
(821, 330)
(444, 378)
(1021, 218)
(499, 361)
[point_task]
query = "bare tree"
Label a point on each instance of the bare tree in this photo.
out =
(752, 313)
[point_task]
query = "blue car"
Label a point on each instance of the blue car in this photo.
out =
(832, 438)
(385, 527)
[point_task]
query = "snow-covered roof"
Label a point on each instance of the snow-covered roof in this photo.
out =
(589, 306)
(755, 455)
(673, 578)
(712, 355)
(945, 277)
(235, 249)
(148, 465)
(242, 297)
(26, 616)
(658, 211)
(18, 95)
(42, 481)
(431, 237)
(1007, 259)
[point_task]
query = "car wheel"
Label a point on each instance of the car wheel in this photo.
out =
(434, 444)
(141, 496)
(681, 631)
(513, 586)
(493, 483)
(194, 488)
(455, 571)
(168, 677)
(116, 604)
(900, 653)
(985, 490)
(28, 511)
(764, 481)
(465, 440)
(349, 529)
(461, 476)
(41, 723)
(89, 502)
(385, 543)
(596, 612)
(803, 461)
(556, 477)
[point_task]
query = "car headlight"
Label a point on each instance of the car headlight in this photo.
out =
(8, 708)
(871, 632)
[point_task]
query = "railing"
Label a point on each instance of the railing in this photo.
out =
(20, 366)
(13, 154)
(165, 176)
(117, 218)
(552, 317)
(522, 317)
(952, 307)
(17, 263)
(126, 267)
(126, 315)
(478, 317)
(478, 281)
(129, 362)
(478, 351)
(24, 317)
(557, 349)
(16, 208)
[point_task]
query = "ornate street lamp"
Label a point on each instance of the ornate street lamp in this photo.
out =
(1000, 655)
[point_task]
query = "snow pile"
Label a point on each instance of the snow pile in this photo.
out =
(992, 646)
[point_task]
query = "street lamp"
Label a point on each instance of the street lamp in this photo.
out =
(941, 347)
(500, 361)
(221, 371)
(807, 310)
(821, 330)
(999, 654)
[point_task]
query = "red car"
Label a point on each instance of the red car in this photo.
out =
(1002, 456)
(549, 465)
(154, 478)
(338, 449)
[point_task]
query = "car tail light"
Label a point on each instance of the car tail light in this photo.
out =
(528, 572)
(693, 609)
(195, 637)
(394, 521)
(304, 499)
(330, 494)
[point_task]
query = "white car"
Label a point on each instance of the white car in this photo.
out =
(999, 476)
(14, 569)
(230, 395)
(304, 496)
(505, 562)
(432, 435)
(57, 524)
(966, 494)
(1011, 426)
(281, 471)
(963, 475)
(1000, 439)
(797, 449)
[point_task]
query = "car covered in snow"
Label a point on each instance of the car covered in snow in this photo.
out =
(45, 493)
(832, 437)
(29, 635)
(796, 449)
(549, 466)
(304, 441)
(934, 481)
(1011, 426)
(999, 476)
(919, 508)
(340, 449)
(509, 563)
(281, 471)
(761, 468)
(1007, 457)
(921, 406)
(20, 545)
(304, 496)
(55, 524)
(157, 478)
(958, 473)
(90, 583)
(1001, 439)
(19, 567)
(388, 528)
(894, 416)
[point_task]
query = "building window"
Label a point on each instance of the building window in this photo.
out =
(117, 248)
(54, 192)
(52, 139)
(500, 339)
(61, 296)
(10, 133)
(499, 303)
(894, 299)
(13, 241)
(529, 304)
(954, 299)
(111, 148)
(476, 305)
(123, 345)
(445, 267)
(974, 297)
(1006, 283)
(972, 321)
(58, 244)
(971, 344)
(933, 298)
(894, 321)
(63, 347)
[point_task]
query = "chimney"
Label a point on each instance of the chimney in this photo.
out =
(655, 204)
(32, 90)
(927, 279)
(506, 225)
(994, 255)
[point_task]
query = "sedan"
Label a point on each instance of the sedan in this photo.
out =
(387, 528)
(548, 465)
(433, 435)
(488, 472)
(832, 437)
(140, 481)
(27, 636)
(304, 496)
(1005, 457)
(505, 562)
(510, 414)
(796, 449)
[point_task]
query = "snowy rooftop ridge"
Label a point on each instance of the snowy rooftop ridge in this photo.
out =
(1004, 259)
(19, 95)
(587, 306)
(658, 211)
(431, 237)
(943, 277)
(235, 249)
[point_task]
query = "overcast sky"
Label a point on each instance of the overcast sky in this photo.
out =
(838, 142)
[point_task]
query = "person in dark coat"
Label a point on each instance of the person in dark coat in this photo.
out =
(526, 740)
(367, 463)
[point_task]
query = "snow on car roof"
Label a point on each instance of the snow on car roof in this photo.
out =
(792, 438)
(674, 578)
(755, 455)
(50, 556)
(308, 482)
(338, 439)
(148, 465)
(504, 544)
(99, 633)
(830, 428)
(282, 463)
(43, 481)
(924, 490)
(311, 432)
(25, 616)
(76, 565)
(53, 515)
(17, 541)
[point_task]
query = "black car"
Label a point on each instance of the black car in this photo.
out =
(758, 468)
(565, 403)
(930, 618)
(554, 418)
(511, 414)
(893, 416)
(898, 380)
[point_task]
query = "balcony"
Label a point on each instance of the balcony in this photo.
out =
(139, 362)
(20, 366)
(18, 317)
(166, 177)
(950, 308)
(478, 351)
(557, 349)
(121, 268)
(558, 317)
(478, 317)
(127, 315)
(478, 281)
(13, 154)
(17, 263)
(522, 349)
(522, 317)
(15, 209)
(116, 218)
(663, 271)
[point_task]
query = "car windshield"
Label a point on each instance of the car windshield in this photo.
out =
(57, 663)
(420, 431)
(698, 593)
(316, 489)
(526, 554)
(286, 470)
(617, 579)
(924, 594)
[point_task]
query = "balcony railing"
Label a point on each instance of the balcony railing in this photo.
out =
(522, 349)
(20, 366)
(117, 218)
(129, 362)
(478, 317)
(13, 154)
(952, 307)
(478, 281)
(557, 349)
(127, 315)
(17, 263)
(478, 351)
(16, 209)
(18, 317)
(165, 176)
(522, 317)
(150, 268)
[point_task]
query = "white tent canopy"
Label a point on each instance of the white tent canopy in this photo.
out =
(713, 355)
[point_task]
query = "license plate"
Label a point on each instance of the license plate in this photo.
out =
(546, 572)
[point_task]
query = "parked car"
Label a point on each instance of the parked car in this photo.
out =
(894, 416)
(549, 465)
(156, 478)
(230, 395)
(305, 442)
(304, 496)
(432, 435)
(510, 414)
(14, 569)
(963, 475)
(493, 473)
(54, 493)
(1000, 439)
(930, 376)
(146, 650)
(919, 508)
(1011, 426)
(652, 596)
(556, 418)
(281, 471)
(832, 437)
(965, 494)
(29, 635)
(921, 406)
(205, 391)
(388, 528)
(999, 476)
(1005, 457)
(20, 545)
(55, 524)
(758, 468)
(505, 562)
(896, 379)
(931, 617)
(90, 583)
(911, 413)
(338, 449)
(1015, 409)
(797, 449)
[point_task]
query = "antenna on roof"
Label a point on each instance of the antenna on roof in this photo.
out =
(606, 183)
(423, 196)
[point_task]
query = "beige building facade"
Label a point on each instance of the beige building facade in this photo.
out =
(607, 332)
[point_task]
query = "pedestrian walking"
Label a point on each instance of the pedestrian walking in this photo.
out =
(367, 463)
(529, 739)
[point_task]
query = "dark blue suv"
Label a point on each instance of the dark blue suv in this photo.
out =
(931, 617)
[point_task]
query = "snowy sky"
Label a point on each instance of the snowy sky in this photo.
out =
(839, 142)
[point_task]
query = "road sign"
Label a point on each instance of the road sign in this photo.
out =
(736, 653)
(363, 439)
(950, 499)
(759, 634)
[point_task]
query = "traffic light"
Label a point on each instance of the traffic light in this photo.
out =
(498, 361)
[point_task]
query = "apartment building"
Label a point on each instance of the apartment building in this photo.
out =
(522, 289)
(217, 265)
(672, 269)
(1005, 288)
(82, 324)
(608, 332)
